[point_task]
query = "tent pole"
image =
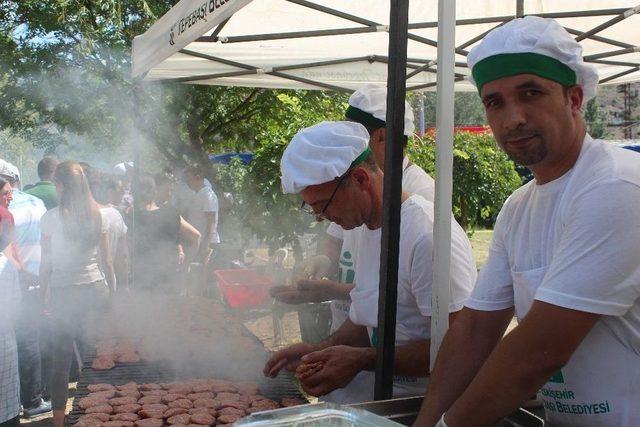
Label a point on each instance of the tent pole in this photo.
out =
(390, 244)
(624, 73)
(609, 23)
(599, 38)
(421, 124)
(441, 293)
(519, 8)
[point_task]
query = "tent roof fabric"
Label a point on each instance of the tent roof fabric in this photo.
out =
(338, 45)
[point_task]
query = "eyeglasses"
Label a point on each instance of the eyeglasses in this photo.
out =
(304, 207)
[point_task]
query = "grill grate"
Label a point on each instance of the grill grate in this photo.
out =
(141, 372)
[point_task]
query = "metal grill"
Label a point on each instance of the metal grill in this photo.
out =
(143, 372)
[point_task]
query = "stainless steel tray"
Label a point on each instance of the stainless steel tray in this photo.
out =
(320, 414)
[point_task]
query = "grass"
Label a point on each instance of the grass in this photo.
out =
(480, 244)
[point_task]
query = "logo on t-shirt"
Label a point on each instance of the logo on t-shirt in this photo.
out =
(346, 271)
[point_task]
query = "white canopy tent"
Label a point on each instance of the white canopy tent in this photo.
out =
(333, 44)
(337, 45)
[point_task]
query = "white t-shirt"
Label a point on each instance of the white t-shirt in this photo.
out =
(575, 243)
(71, 263)
(414, 181)
(116, 228)
(204, 201)
(415, 272)
(415, 275)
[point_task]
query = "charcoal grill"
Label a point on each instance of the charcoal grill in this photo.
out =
(285, 384)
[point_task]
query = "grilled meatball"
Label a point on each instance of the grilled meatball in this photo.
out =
(227, 396)
(128, 408)
(170, 397)
(201, 395)
(100, 387)
(116, 401)
(231, 411)
(174, 411)
(129, 393)
(150, 422)
(209, 411)
(97, 416)
(146, 400)
(206, 403)
(89, 401)
(103, 363)
(181, 403)
(179, 419)
(131, 385)
(127, 416)
(105, 394)
(155, 407)
(104, 408)
(151, 414)
(203, 418)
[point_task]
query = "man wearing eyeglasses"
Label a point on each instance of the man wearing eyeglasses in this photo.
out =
(332, 167)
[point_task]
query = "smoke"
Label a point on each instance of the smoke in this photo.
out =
(102, 118)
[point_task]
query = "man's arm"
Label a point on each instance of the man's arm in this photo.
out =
(465, 348)
(533, 351)
(206, 235)
(341, 363)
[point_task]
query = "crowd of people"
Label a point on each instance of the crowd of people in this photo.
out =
(71, 240)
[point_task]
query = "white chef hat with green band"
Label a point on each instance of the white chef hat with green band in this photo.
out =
(532, 45)
(368, 105)
(322, 153)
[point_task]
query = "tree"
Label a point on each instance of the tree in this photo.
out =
(468, 109)
(483, 176)
(260, 208)
(596, 119)
(67, 65)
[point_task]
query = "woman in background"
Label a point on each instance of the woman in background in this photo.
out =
(157, 246)
(103, 186)
(74, 243)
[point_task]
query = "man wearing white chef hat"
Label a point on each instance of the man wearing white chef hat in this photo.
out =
(331, 166)
(564, 258)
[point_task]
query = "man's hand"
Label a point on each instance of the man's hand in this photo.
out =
(288, 358)
(333, 367)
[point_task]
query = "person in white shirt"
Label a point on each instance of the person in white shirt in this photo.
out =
(564, 257)
(331, 166)
(336, 254)
(202, 212)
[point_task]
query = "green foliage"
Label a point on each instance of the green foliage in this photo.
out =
(260, 208)
(468, 109)
(596, 119)
(483, 176)
(18, 151)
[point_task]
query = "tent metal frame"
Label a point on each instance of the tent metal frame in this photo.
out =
(429, 66)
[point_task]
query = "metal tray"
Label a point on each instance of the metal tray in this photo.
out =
(320, 414)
